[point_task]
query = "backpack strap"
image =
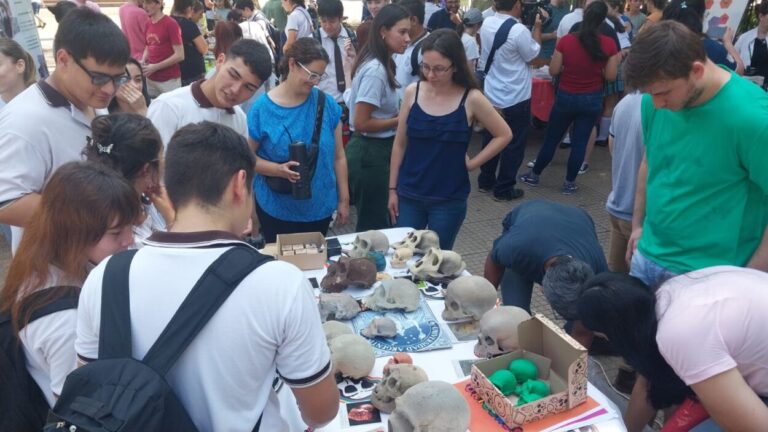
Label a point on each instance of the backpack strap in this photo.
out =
(314, 148)
(202, 302)
(68, 300)
(499, 38)
(415, 54)
(115, 328)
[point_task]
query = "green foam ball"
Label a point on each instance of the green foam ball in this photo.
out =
(537, 387)
(504, 380)
(528, 398)
(523, 369)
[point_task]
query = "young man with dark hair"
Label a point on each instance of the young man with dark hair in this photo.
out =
(405, 73)
(447, 17)
(164, 50)
(255, 333)
(258, 27)
(47, 125)
(702, 185)
(239, 73)
(508, 87)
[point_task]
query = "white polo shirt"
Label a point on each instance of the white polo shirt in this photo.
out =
(569, 21)
(330, 84)
(224, 379)
(39, 132)
(403, 66)
(173, 110)
(509, 79)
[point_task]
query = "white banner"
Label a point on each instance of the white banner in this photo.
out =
(720, 14)
(18, 22)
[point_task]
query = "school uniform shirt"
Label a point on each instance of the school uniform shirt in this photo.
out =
(173, 110)
(370, 85)
(299, 21)
(330, 84)
(161, 37)
(568, 21)
(471, 48)
(224, 378)
(39, 132)
(508, 81)
(404, 68)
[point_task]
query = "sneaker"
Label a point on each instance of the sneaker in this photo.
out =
(565, 145)
(584, 168)
(531, 163)
(485, 189)
(570, 188)
(530, 179)
(509, 196)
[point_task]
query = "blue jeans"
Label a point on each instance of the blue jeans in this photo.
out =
(648, 271)
(443, 217)
(581, 109)
(518, 117)
(516, 290)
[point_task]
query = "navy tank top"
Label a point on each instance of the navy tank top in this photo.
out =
(434, 166)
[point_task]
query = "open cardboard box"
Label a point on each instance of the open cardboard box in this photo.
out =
(311, 261)
(562, 362)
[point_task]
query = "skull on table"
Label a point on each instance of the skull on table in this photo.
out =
(438, 264)
(334, 328)
(338, 306)
(352, 356)
(397, 379)
(430, 406)
(419, 241)
(498, 331)
(380, 327)
(468, 297)
(369, 241)
(394, 294)
(401, 257)
(346, 272)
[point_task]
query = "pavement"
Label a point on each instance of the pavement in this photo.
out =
(483, 222)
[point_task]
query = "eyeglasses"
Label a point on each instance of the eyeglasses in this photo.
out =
(312, 76)
(101, 79)
(437, 70)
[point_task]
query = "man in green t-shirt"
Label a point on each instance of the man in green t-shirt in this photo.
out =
(274, 11)
(701, 196)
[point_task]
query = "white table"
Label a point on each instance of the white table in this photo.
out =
(439, 364)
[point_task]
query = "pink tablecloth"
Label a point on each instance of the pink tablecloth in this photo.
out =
(542, 98)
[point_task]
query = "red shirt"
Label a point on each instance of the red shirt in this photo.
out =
(580, 73)
(161, 37)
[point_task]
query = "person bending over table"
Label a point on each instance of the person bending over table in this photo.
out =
(702, 335)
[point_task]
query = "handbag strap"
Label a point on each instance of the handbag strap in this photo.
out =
(499, 38)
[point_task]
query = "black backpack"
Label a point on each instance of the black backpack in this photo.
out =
(118, 393)
(22, 403)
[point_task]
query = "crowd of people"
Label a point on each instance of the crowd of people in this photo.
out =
(135, 143)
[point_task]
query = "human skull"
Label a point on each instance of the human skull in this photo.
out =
(420, 241)
(498, 331)
(369, 241)
(346, 272)
(338, 306)
(394, 294)
(468, 297)
(401, 257)
(335, 328)
(380, 327)
(352, 356)
(430, 406)
(397, 379)
(438, 264)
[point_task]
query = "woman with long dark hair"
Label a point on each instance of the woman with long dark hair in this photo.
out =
(429, 168)
(373, 109)
(583, 60)
(701, 335)
(131, 97)
(85, 214)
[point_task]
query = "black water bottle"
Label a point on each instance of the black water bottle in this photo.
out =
(298, 153)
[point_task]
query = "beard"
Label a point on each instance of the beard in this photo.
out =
(693, 94)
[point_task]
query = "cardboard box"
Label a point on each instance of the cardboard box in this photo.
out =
(303, 261)
(562, 363)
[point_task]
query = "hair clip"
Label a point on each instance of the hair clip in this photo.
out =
(683, 5)
(104, 149)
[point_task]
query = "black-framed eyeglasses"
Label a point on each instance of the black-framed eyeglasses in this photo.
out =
(101, 79)
(313, 76)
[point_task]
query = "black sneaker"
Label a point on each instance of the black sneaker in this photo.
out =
(509, 196)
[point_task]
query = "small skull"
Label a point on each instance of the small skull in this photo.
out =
(352, 356)
(469, 297)
(400, 294)
(395, 382)
(380, 327)
(420, 241)
(430, 406)
(401, 257)
(438, 264)
(498, 331)
(369, 241)
(346, 272)
(338, 306)
(335, 328)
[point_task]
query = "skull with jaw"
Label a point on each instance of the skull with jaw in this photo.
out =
(468, 297)
(380, 327)
(346, 272)
(498, 331)
(430, 406)
(396, 381)
(352, 356)
(338, 306)
(400, 294)
(438, 264)
(369, 241)
(401, 257)
(419, 241)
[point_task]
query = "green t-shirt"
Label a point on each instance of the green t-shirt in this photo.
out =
(273, 9)
(706, 199)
